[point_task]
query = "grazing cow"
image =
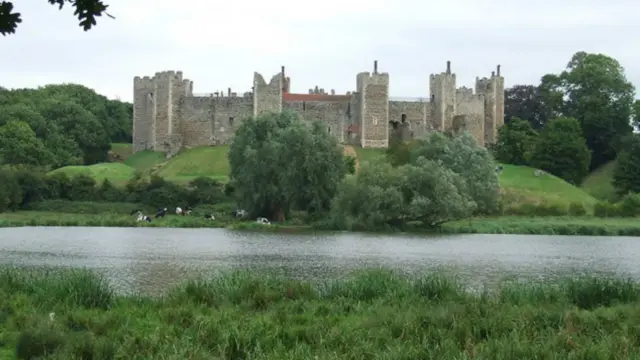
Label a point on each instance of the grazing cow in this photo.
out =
(263, 221)
(499, 169)
(209, 217)
(183, 212)
(143, 217)
(239, 213)
(161, 213)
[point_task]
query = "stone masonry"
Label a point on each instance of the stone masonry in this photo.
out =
(167, 115)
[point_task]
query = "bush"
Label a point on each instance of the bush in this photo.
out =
(577, 209)
(629, 206)
(542, 209)
(606, 209)
(83, 207)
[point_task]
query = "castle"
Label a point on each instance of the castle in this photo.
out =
(167, 115)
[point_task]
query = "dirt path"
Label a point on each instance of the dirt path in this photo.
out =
(350, 151)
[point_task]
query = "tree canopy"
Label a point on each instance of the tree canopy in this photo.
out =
(562, 151)
(86, 11)
(626, 176)
(595, 91)
(516, 141)
(445, 178)
(280, 164)
(59, 125)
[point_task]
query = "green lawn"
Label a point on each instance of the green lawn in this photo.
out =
(201, 161)
(368, 154)
(123, 150)
(145, 160)
(116, 172)
(599, 183)
(520, 185)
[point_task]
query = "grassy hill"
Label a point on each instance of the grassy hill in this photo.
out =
(599, 183)
(192, 163)
(117, 172)
(519, 183)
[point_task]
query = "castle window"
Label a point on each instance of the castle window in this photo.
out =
(304, 105)
(403, 118)
(231, 121)
(329, 129)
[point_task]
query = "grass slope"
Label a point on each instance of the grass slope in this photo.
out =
(192, 163)
(600, 182)
(145, 160)
(116, 172)
(122, 150)
(520, 185)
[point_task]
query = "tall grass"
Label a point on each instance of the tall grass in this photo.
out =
(375, 314)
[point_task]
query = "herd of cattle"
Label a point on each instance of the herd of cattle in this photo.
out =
(162, 212)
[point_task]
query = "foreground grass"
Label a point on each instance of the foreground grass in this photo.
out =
(90, 214)
(374, 315)
(600, 182)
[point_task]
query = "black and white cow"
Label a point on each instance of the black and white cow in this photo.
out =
(161, 213)
(143, 217)
(239, 213)
(209, 217)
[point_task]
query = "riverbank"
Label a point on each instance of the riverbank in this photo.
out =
(377, 313)
(494, 225)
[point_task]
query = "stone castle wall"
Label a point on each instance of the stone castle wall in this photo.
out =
(167, 115)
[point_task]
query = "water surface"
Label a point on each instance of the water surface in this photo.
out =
(151, 260)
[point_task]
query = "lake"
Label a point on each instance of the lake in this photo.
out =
(151, 260)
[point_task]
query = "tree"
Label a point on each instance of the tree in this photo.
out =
(626, 175)
(279, 164)
(516, 141)
(19, 145)
(595, 90)
(562, 151)
(75, 124)
(636, 114)
(446, 178)
(527, 102)
(86, 10)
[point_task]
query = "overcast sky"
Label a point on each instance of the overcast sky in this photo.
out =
(219, 44)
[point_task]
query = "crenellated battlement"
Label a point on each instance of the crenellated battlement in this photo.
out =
(169, 115)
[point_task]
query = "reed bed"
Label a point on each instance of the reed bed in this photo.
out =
(376, 314)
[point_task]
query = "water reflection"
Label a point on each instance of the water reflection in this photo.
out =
(150, 260)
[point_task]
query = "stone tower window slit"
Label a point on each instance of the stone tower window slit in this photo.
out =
(231, 121)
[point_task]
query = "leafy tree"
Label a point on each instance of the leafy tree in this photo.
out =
(562, 151)
(636, 114)
(595, 90)
(75, 124)
(626, 176)
(446, 178)
(19, 145)
(462, 155)
(516, 141)
(529, 103)
(279, 164)
(86, 10)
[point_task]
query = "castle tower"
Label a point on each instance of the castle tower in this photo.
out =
(156, 116)
(144, 132)
(443, 93)
(373, 93)
(267, 97)
(493, 90)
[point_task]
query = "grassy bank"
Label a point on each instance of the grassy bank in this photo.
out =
(92, 216)
(375, 315)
